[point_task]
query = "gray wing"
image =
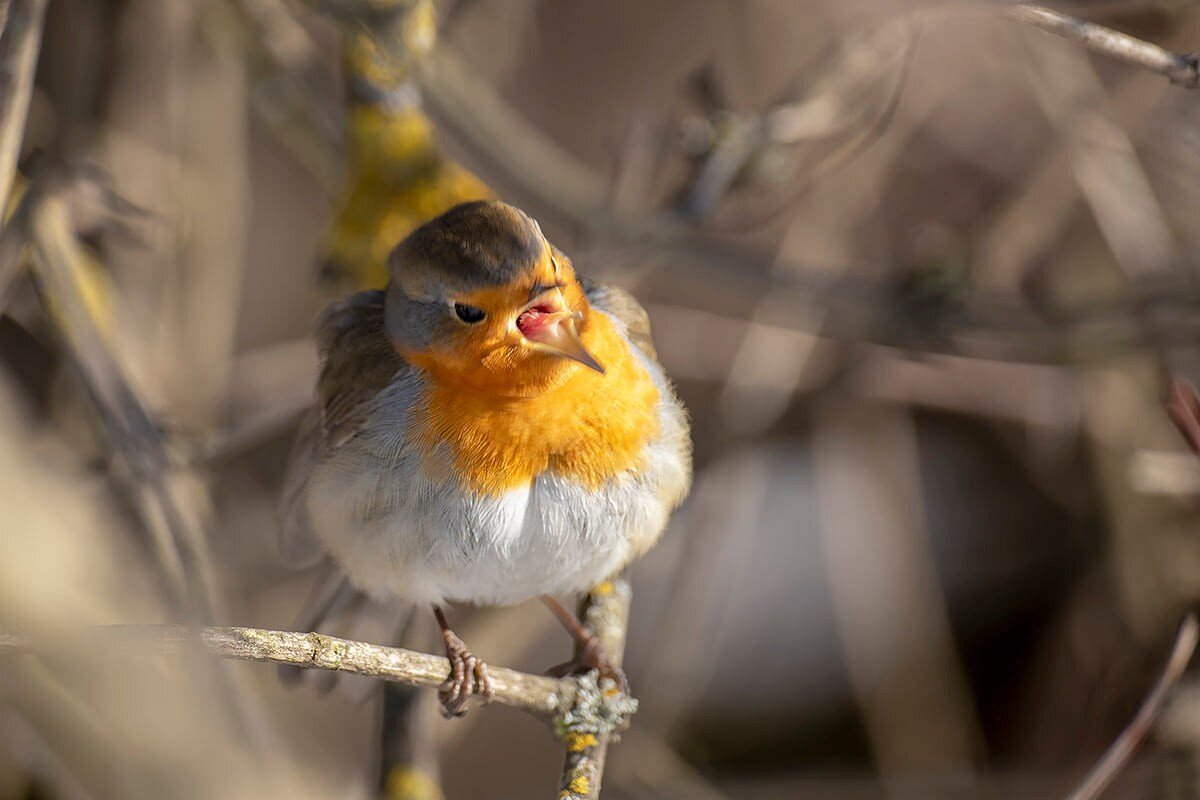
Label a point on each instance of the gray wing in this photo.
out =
(622, 305)
(357, 362)
(297, 543)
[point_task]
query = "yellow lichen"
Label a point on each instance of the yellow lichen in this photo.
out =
(406, 783)
(580, 784)
(578, 742)
(602, 589)
(398, 178)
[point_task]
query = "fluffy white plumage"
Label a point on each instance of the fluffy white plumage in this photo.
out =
(397, 531)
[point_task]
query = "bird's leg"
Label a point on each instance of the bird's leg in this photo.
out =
(589, 651)
(468, 675)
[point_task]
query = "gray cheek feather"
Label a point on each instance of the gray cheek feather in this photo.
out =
(415, 324)
(402, 526)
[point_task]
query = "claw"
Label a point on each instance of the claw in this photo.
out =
(590, 655)
(468, 676)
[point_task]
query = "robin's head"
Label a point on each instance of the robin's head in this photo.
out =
(479, 296)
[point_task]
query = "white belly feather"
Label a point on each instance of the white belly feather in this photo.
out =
(397, 531)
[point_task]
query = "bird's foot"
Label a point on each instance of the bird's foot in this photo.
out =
(590, 655)
(468, 676)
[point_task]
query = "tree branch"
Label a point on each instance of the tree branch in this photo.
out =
(536, 694)
(524, 164)
(165, 497)
(19, 48)
(605, 614)
(1180, 69)
(1120, 751)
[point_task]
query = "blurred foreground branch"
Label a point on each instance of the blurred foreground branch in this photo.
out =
(1121, 750)
(19, 48)
(1181, 69)
(166, 498)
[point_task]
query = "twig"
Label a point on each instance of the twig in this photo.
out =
(1120, 751)
(525, 164)
(409, 747)
(408, 757)
(13, 239)
(179, 537)
(19, 47)
(912, 691)
(1183, 407)
(1180, 69)
(606, 614)
(533, 693)
(286, 76)
(167, 497)
(1106, 165)
(841, 103)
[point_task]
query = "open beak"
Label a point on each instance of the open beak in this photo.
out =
(548, 325)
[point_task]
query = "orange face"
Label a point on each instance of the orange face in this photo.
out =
(518, 340)
(585, 424)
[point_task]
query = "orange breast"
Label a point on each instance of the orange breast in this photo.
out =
(590, 428)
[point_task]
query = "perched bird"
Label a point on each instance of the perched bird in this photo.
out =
(488, 429)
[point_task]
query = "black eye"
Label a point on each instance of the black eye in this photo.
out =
(469, 314)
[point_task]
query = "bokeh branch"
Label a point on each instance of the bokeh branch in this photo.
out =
(1121, 750)
(19, 48)
(1181, 69)
(524, 163)
(164, 495)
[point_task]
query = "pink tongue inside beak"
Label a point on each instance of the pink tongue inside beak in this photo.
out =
(553, 329)
(533, 320)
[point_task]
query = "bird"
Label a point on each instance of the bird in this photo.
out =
(489, 428)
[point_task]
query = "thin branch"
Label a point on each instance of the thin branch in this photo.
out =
(1120, 751)
(19, 48)
(1183, 407)
(533, 693)
(1180, 69)
(408, 757)
(605, 614)
(13, 240)
(523, 163)
(160, 492)
(409, 762)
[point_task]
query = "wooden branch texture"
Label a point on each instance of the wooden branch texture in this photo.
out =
(533, 693)
(1183, 70)
(606, 614)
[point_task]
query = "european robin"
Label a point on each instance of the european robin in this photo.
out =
(489, 428)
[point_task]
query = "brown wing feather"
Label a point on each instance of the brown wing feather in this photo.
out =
(357, 362)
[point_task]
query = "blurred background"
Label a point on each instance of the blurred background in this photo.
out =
(922, 272)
